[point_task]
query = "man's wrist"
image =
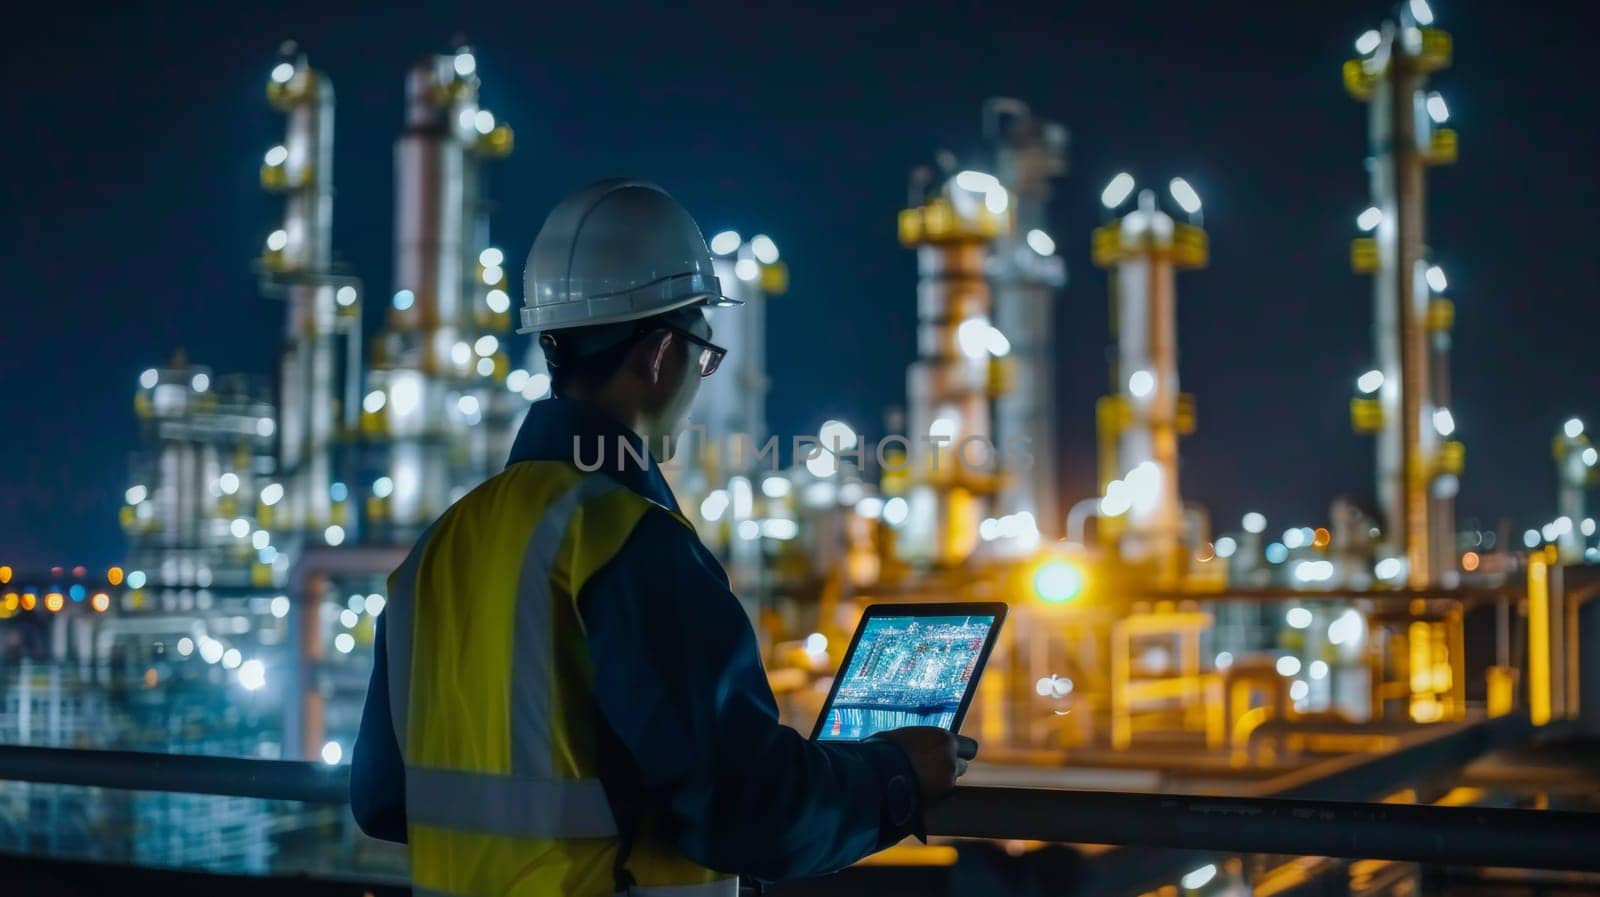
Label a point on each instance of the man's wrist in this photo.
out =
(900, 792)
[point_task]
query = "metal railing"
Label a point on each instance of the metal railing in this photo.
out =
(1296, 814)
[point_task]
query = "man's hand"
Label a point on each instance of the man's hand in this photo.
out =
(937, 756)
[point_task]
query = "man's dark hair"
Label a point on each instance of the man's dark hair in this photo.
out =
(588, 357)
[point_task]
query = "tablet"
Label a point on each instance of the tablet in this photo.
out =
(910, 665)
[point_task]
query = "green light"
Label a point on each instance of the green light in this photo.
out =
(1057, 581)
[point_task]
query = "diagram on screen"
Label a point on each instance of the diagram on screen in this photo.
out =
(906, 672)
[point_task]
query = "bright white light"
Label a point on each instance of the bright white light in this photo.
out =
(1184, 194)
(998, 345)
(726, 242)
(1117, 191)
(1225, 547)
(266, 427)
(1223, 660)
(332, 753)
(1117, 499)
(1436, 279)
(1573, 428)
(149, 378)
(1144, 486)
(277, 155)
(1370, 218)
(996, 201)
(491, 257)
(374, 604)
(816, 643)
(333, 535)
(1288, 665)
(403, 299)
(231, 659)
(497, 300)
(973, 337)
(1319, 669)
(1422, 12)
(977, 181)
(766, 251)
(345, 296)
(486, 345)
(344, 643)
(1549, 532)
(1298, 618)
(1141, 383)
(1444, 421)
(1040, 242)
(348, 618)
(517, 380)
(465, 64)
(280, 606)
(374, 401)
(228, 483)
(240, 528)
(1562, 525)
(779, 528)
(135, 494)
(1199, 878)
(870, 507)
(1276, 553)
(271, 494)
(1437, 110)
(776, 486)
(493, 275)
(201, 382)
(467, 405)
(260, 539)
(895, 511)
(1045, 687)
(823, 465)
(210, 649)
(1387, 569)
(277, 240)
(1254, 522)
(1312, 571)
(1298, 690)
(136, 579)
(461, 353)
(1531, 538)
(1370, 382)
(252, 675)
(1368, 41)
(282, 72)
(942, 428)
(483, 122)
(746, 270)
(1590, 456)
(538, 386)
(185, 646)
(1293, 538)
(714, 505)
(989, 529)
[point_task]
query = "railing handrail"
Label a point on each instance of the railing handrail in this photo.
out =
(1300, 819)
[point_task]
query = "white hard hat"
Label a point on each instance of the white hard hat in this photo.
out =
(616, 250)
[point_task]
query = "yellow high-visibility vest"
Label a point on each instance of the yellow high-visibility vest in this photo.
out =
(491, 694)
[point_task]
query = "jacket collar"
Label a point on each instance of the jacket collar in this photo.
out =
(558, 429)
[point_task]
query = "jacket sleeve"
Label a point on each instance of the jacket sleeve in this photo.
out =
(377, 772)
(679, 680)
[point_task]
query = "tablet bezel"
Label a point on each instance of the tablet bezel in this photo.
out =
(995, 609)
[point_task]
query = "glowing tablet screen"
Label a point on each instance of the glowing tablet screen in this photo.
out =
(906, 671)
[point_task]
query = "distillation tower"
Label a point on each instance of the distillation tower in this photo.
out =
(1140, 421)
(437, 397)
(323, 308)
(1407, 393)
(1025, 274)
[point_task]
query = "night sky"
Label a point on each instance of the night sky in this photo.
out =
(132, 211)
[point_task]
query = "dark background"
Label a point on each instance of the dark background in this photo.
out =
(132, 212)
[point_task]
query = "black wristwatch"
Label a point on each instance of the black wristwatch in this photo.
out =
(901, 801)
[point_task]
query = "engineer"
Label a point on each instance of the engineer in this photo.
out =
(566, 697)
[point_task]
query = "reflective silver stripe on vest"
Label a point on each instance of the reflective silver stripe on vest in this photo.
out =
(532, 678)
(508, 805)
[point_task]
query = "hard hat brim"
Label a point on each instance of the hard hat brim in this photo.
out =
(654, 298)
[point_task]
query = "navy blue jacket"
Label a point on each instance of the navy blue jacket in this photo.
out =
(689, 727)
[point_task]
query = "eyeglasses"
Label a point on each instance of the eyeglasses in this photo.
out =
(711, 354)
